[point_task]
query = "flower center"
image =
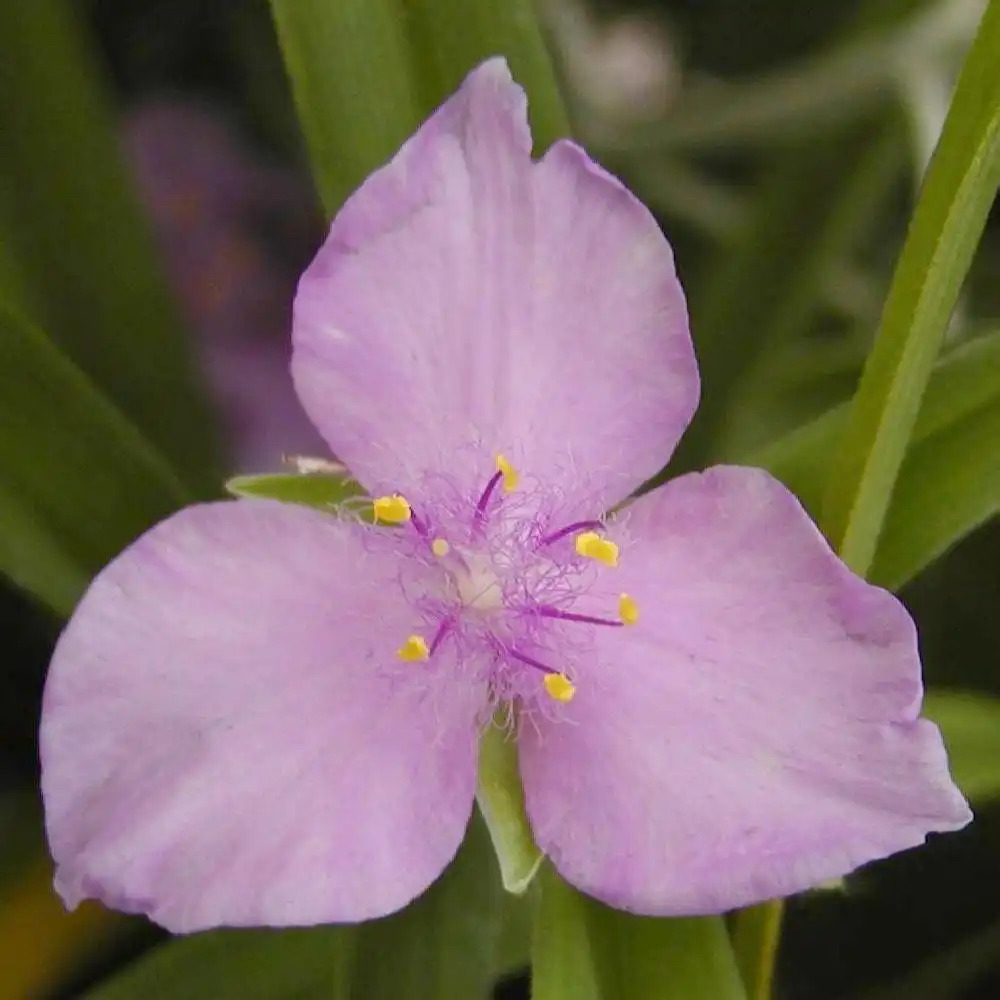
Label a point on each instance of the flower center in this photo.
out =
(477, 584)
(516, 592)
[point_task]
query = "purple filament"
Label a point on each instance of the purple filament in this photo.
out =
(443, 629)
(569, 529)
(487, 493)
(529, 661)
(570, 616)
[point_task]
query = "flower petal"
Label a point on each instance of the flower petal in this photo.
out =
(469, 301)
(754, 733)
(228, 738)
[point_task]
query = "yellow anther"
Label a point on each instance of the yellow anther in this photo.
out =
(628, 610)
(440, 547)
(592, 546)
(511, 477)
(559, 687)
(392, 509)
(414, 649)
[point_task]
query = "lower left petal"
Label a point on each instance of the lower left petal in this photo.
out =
(228, 739)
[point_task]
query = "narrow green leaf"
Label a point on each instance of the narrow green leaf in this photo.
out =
(949, 483)
(970, 724)
(351, 72)
(443, 946)
(365, 73)
(501, 802)
(300, 964)
(951, 211)
(79, 481)
(85, 262)
(450, 37)
(313, 489)
(948, 486)
(562, 965)
(963, 381)
(639, 958)
(516, 928)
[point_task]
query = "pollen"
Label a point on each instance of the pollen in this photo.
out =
(414, 649)
(559, 687)
(590, 545)
(511, 477)
(440, 547)
(628, 610)
(392, 509)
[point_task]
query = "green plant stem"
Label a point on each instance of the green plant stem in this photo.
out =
(756, 936)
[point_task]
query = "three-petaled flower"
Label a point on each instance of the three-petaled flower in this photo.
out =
(262, 713)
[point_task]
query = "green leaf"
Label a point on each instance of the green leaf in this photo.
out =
(79, 480)
(950, 214)
(313, 489)
(299, 964)
(396, 61)
(80, 257)
(561, 960)
(948, 485)
(949, 482)
(516, 928)
(970, 724)
(501, 802)
(641, 958)
(450, 37)
(443, 946)
(351, 73)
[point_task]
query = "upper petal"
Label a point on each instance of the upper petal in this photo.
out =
(228, 739)
(470, 301)
(755, 732)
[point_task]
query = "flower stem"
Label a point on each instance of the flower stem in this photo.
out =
(756, 936)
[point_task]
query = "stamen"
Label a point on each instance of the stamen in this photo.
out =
(529, 661)
(568, 530)
(628, 609)
(571, 616)
(511, 477)
(590, 545)
(443, 629)
(414, 649)
(559, 687)
(440, 547)
(487, 493)
(392, 509)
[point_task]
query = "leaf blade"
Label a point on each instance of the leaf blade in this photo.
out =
(80, 481)
(950, 214)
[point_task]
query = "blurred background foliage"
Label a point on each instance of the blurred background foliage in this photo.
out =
(156, 207)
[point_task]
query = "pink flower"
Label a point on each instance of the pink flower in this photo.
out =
(266, 714)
